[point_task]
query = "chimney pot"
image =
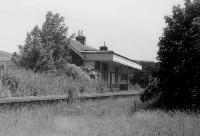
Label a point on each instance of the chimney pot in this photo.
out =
(104, 47)
(80, 37)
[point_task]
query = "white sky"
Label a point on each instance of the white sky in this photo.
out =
(129, 27)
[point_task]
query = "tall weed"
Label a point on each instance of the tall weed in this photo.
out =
(22, 82)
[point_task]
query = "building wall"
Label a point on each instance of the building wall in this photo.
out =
(112, 75)
(99, 57)
(76, 59)
(89, 63)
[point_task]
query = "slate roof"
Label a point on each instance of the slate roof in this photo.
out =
(80, 47)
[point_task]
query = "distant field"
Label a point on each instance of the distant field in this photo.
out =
(114, 117)
(5, 56)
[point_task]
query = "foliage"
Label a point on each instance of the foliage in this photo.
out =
(30, 52)
(76, 73)
(150, 92)
(46, 53)
(141, 78)
(21, 82)
(9, 81)
(179, 55)
(15, 58)
(4, 91)
(54, 36)
(90, 70)
(46, 48)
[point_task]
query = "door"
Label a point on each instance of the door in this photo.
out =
(105, 73)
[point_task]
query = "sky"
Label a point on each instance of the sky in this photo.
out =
(129, 27)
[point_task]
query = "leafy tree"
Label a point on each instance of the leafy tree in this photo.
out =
(179, 55)
(54, 36)
(30, 52)
(45, 62)
(141, 78)
(46, 49)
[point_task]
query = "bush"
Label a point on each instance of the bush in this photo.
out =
(150, 92)
(76, 73)
(90, 70)
(135, 87)
(141, 78)
(10, 82)
(4, 91)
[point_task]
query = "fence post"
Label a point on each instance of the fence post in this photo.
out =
(71, 95)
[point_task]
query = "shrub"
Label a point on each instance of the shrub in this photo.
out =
(141, 78)
(150, 92)
(4, 91)
(76, 73)
(135, 87)
(90, 70)
(10, 82)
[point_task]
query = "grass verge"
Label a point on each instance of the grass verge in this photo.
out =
(114, 117)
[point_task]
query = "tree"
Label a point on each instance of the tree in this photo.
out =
(46, 49)
(179, 55)
(30, 52)
(54, 36)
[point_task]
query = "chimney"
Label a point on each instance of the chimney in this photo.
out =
(104, 47)
(80, 37)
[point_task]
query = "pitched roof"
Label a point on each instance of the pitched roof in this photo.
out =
(111, 56)
(82, 50)
(80, 47)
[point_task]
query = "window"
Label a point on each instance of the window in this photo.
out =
(105, 73)
(104, 67)
(125, 78)
(117, 70)
(105, 77)
(97, 65)
(116, 78)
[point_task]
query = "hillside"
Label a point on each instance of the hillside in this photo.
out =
(4, 56)
(148, 65)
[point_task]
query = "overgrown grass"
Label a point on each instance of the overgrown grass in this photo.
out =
(117, 117)
(17, 82)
